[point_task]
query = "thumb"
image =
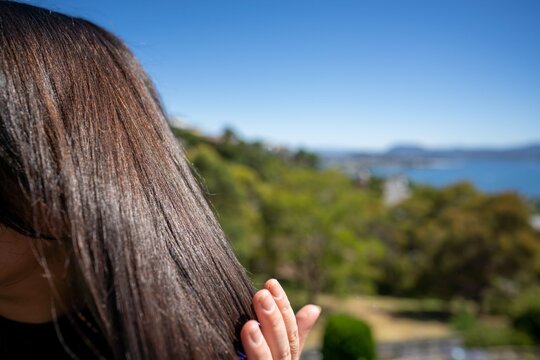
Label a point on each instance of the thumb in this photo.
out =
(305, 319)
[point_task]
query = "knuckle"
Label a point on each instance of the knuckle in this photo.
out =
(295, 350)
(288, 313)
(290, 319)
(293, 337)
(286, 304)
(285, 354)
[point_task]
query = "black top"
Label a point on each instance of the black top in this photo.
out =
(68, 338)
(75, 338)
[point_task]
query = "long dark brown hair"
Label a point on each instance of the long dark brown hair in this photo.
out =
(88, 161)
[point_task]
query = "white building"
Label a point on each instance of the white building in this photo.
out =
(396, 189)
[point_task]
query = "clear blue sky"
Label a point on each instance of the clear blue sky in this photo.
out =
(339, 74)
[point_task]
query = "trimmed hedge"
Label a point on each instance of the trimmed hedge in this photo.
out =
(347, 338)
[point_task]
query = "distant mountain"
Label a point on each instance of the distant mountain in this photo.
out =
(418, 152)
(529, 152)
(412, 156)
(406, 150)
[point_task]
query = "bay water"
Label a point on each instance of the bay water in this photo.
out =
(489, 175)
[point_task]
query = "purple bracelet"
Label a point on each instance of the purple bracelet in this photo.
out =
(241, 355)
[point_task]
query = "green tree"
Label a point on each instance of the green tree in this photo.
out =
(316, 229)
(457, 242)
(231, 190)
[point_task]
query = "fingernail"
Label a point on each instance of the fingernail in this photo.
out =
(267, 302)
(276, 289)
(314, 310)
(255, 335)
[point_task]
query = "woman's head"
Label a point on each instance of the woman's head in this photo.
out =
(88, 162)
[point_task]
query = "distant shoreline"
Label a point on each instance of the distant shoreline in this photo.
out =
(531, 151)
(489, 174)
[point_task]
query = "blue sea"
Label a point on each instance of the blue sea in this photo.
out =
(522, 176)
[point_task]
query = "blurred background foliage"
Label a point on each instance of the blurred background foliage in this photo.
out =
(321, 232)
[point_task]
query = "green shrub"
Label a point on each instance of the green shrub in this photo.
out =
(347, 338)
(526, 313)
(463, 321)
(529, 322)
(479, 333)
(485, 335)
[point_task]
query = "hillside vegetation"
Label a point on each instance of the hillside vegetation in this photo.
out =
(318, 231)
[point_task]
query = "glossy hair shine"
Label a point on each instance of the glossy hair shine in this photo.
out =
(88, 161)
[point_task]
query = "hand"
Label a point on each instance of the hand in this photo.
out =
(281, 334)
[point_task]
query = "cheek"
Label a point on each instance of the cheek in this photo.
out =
(16, 256)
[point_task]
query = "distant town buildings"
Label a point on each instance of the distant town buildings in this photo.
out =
(362, 177)
(396, 189)
(535, 222)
